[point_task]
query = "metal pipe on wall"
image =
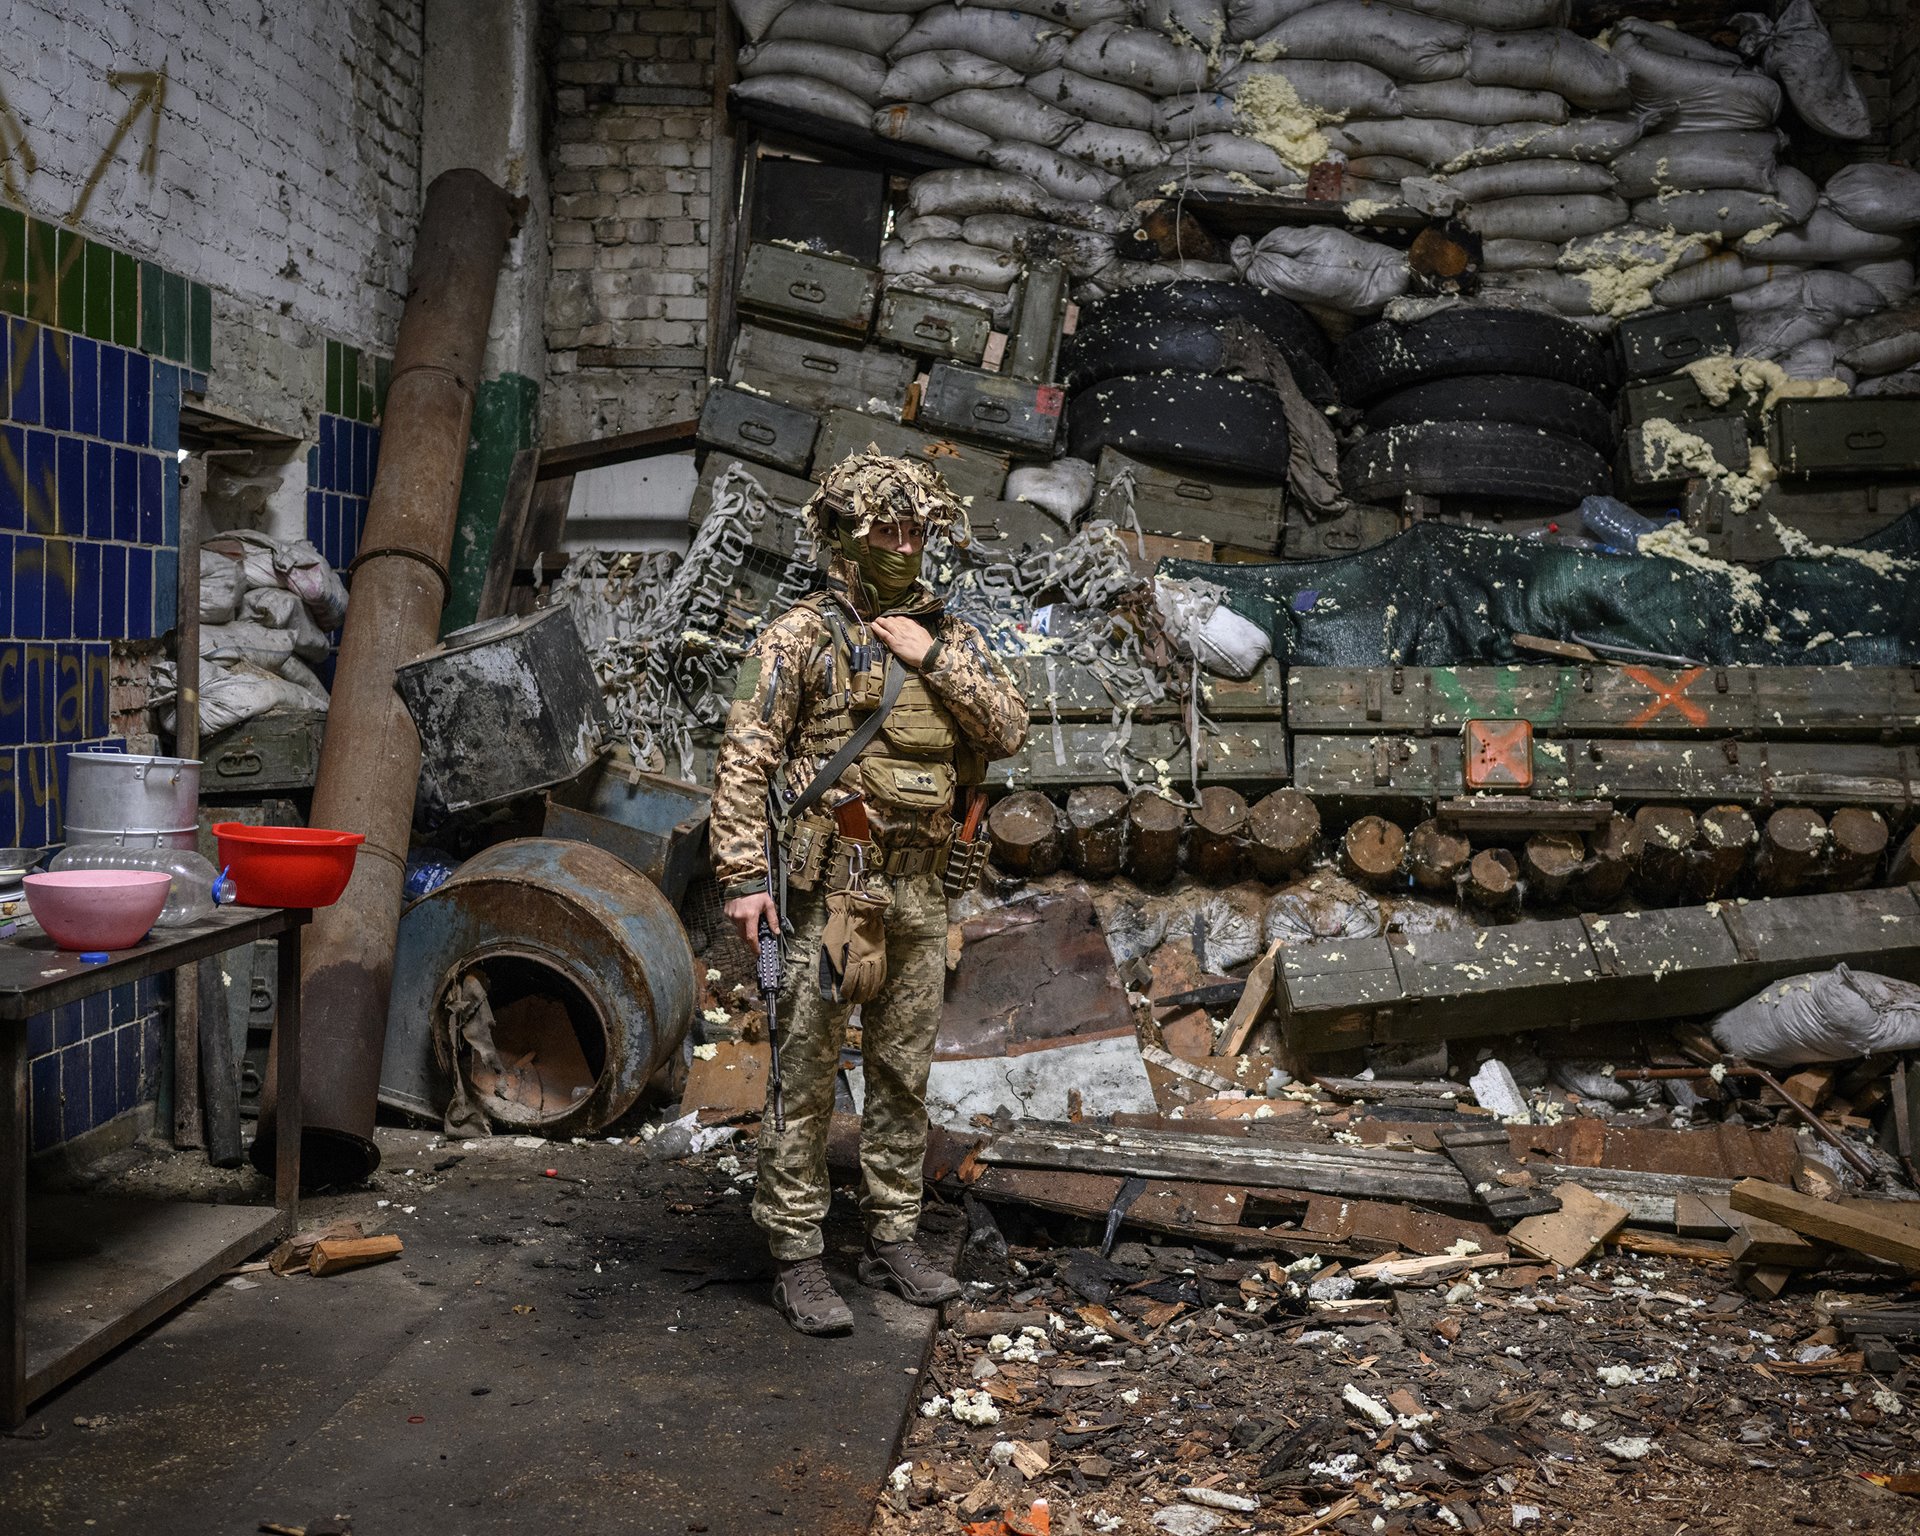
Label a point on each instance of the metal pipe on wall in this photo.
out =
(370, 763)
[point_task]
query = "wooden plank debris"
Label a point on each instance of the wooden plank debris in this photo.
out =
(1485, 1156)
(331, 1255)
(1854, 1228)
(1570, 1235)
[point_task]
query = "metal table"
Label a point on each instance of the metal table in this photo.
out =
(104, 1269)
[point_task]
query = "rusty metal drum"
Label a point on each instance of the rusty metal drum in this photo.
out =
(587, 976)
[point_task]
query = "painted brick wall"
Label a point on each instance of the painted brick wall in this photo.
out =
(627, 302)
(285, 169)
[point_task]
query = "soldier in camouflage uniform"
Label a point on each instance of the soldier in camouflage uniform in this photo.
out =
(796, 704)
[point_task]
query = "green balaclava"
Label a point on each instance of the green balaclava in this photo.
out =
(887, 573)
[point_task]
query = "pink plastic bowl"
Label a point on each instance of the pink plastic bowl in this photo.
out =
(97, 908)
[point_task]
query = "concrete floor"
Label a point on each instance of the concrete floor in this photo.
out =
(590, 1352)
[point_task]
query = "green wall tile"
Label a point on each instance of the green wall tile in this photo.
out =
(200, 328)
(13, 261)
(153, 319)
(333, 378)
(71, 309)
(99, 317)
(126, 300)
(42, 267)
(175, 315)
(350, 381)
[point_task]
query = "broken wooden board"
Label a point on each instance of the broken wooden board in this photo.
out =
(1570, 1235)
(734, 1077)
(1861, 1231)
(1569, 972)
(1209, 1212)
(1035, 969)
(1090, 1074)
(1375, 1226)
(1721, 1152)
(1485, 1156)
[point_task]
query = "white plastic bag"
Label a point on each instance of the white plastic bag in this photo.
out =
(1882, 198)
(232, 693)
(1323, 266)
(926, 77)
(1062, 489)
(1798, 52)
(243, 640)
(279, 609)
(1202, 626)
(223, 582)
(1834, 1015)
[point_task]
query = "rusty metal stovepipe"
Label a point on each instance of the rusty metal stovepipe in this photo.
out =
(370, 763)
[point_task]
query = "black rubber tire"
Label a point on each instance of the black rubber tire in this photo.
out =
(1115, 347)
(1474, 458)
(1282, 319)
(1546, 403)
(1385, 358)
(1222, 424)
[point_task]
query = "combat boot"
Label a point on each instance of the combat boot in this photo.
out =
(805, 1297)
(904, 1270)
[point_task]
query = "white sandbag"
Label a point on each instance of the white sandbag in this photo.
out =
(1882, 343)
(1895, 386)
(910, 123)
(1549, 60)
(1814, 359)
(956, 194)
(1772, 333)
(1386, 168)
(1891, 276)
(926, 77)
(1399, 43)
(1882, 198)
(1323, 266)
(1120, 150)
(247, 640)
(1234, 153)
(223, 582)
(1247, 19)
(1076, 14)
(755, 16)
(1014, 113)
(1632, 245)
(1138, 58)
(1322, 908)
(1426, 140)
(1833, 1015)
(1170, 180)
(303, 677)
(276, 608)
(1156, 274)
(1671, 40)
(803, 93)
(1336, 86)
(1058, 175)
(1202, 23)
(290, 563)
(1827, 237)
(861, 73)
(812, 21)
(898, 7)
(1557, 292)
(1579, 138)
(1517, 255)
(1530, 178)
(1062, 489)
(1078, 213)
(231, 693)
(1689, 161)
(1026, 43)
(1080, 251)
(1782, 291)
(1555, 218)
(1717, 277)
(1488, 105)
(950, 261)
(1799, 191)
(1693, 95)
(1097, 101)
(1500, 15)
(1716, 211)
(1188, 117)
(1202, 626)
(1798, 52)
(997, 304)
(909, 230)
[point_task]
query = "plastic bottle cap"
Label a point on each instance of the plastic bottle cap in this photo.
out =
(95, 956)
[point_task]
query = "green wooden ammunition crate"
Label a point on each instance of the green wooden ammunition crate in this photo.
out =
(968, 470)
(277, 750)
(1823, 511)
(1642, 471)
(1358, 528)
(1003, 528)
(933, 328)
(1655, 344)
(778, 530)
(760, 429)
(970, 402)
(1178, 503)
(818, 375)
(1846, 437)
(827, 292)
(1250, 753)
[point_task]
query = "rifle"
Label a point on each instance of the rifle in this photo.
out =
(770, 1000)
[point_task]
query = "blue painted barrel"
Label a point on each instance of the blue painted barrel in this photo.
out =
(588, 975)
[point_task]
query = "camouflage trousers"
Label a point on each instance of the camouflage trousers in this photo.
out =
(897, 1030)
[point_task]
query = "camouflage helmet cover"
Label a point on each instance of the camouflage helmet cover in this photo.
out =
(873, 487)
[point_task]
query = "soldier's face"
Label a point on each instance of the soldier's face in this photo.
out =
(898, 538)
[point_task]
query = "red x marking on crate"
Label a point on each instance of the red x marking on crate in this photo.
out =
(1665, 694)
(1499, 754)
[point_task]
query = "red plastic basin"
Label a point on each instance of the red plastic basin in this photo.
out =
(286, 866)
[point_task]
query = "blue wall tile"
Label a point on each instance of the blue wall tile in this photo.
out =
(113, 591)
(99, 491)
(166, 407)
(152, 513)
(126, 1054)
(76, 1090)
(166, 589)
(139, 400)
(56, 387)
(29, 587)
(69, 1023)
(126, 495)
(13, 477)
(9, 802)
(40, 1034)
(86, 386)
(113, 394)
(42, 489)
(139, 594)
(36, 692)
(31, 777)
(57, 616)
(24, 370)
(86, 593)
(69, 701)
(13, 702)
(105, 1074)
(70, 514)
(99, 689)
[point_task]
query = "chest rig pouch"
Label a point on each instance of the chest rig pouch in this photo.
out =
(908, 765)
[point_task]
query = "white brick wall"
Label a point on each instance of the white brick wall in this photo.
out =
(287, 164)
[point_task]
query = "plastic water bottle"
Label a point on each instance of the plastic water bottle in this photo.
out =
(1616, 524)
(197, 887)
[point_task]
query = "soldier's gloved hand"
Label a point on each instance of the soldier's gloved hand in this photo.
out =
(906, 638)
(745, 912)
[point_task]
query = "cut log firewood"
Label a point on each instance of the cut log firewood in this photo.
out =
(1154, 825)
(1024, 830)
(1548, 863)
(1215, 846)
(1372, 850)
(1859, 839)
(1613, 858)
(1437, 857)
(1282, 831)
(1721, 849)
(1666, 833)
(1906, 863)
(1493, 880)
(1790, 850)
(331, 1255)
(1096, 830)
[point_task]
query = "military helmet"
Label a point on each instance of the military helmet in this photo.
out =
(873, 487)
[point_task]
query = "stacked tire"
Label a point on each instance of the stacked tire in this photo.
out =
(1161, 373)
(1510, 406)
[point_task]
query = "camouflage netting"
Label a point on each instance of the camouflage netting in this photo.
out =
(1439, 595)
